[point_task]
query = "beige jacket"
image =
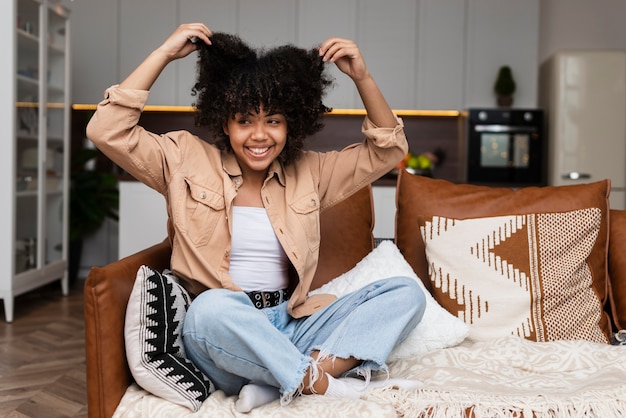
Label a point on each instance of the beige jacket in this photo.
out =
(199, 183)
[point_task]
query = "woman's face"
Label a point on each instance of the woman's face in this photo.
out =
(256, 139)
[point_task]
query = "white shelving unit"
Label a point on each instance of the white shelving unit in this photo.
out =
(34, 160)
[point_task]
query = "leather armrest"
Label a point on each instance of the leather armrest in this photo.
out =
(107, 290)
(617, 267)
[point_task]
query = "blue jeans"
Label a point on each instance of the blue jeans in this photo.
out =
(234, 343)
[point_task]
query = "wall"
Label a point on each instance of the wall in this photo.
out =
(424, 54)
(581, 24)
(563, 24)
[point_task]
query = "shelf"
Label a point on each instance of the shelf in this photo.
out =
(27, 41)
(26, 193)
(335, 112)
(56, 89)
(26, 136)
(27, 81)
(56, 49)
(36, 136)
(34, 193)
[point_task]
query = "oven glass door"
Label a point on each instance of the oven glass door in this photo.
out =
(503, 154)
(504, 150)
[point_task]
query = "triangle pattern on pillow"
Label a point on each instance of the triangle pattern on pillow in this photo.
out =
(164, 317)
(525, 275)
(154, 346)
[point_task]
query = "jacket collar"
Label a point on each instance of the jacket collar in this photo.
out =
(231, 167)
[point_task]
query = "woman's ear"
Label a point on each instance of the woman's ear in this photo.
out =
(225, 128)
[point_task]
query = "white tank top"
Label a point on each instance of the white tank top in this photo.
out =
(257, 260)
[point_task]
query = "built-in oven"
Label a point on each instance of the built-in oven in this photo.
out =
(504, 147)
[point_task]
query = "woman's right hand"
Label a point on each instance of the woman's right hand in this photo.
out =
(184, 40)
(179, 44)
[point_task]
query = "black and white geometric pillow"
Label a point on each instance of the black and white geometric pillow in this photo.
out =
(153, 335)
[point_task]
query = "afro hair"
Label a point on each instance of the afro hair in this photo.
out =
(233, 78)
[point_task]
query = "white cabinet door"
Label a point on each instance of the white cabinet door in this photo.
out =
(143, 27)
(315, 25)
(384, 211)
(440, 54)
(143, 218)
(219, 16)
(501, 32)
(387, 33)
(267, 23)
(424, 54)
(95, 39)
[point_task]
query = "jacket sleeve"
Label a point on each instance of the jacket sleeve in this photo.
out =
(146, 156)
(344, 172)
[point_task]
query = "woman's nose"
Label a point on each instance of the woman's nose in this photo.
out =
(259, 131)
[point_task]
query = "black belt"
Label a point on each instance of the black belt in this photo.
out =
(262, 300)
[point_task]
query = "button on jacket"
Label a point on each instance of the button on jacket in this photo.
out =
(199, 183)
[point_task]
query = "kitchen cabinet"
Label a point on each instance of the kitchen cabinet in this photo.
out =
(34, 162)
(384, 198)
(501, 32)
(441, 54)
(425, 54)
(220, 16)
(386, 34)
(142, 28)
(140, 228)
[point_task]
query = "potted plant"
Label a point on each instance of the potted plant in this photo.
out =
(504, 87)
(94, 197)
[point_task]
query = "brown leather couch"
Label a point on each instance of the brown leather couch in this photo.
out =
(346, 237)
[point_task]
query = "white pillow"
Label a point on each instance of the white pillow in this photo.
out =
(153, 336)
(437, 329)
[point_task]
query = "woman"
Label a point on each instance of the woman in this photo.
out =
(244, 214)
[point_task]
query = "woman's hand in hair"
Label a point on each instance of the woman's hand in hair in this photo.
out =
(179, 44)
(346, 55)
(184, 40)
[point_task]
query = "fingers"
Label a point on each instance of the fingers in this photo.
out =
(346, 56)
(195, 32)
(335, 48)
(185, 40)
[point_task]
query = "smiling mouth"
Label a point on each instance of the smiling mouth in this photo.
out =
(259, 151)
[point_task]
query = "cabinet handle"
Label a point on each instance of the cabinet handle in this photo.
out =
(575, 175)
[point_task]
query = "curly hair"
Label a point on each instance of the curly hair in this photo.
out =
(234, 78)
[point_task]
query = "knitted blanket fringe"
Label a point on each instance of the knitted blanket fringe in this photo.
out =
(426, 403)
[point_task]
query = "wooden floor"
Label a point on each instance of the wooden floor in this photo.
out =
(42, 355)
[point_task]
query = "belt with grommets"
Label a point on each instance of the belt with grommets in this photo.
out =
(262, 299)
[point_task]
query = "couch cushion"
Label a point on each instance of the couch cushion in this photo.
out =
(153, 336)
(107, 290)
(617, 267)
(345, 235)
(437, 329)
(530, 262)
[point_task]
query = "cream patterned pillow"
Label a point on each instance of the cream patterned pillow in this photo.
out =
(529, 261)
(520, 274)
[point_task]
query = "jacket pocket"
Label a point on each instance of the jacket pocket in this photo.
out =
(307, 211)
(203, 210)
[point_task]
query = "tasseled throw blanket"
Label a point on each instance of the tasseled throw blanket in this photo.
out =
(506, 377)
(512, 377)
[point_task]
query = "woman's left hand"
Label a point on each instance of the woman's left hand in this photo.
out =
(346, 55)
